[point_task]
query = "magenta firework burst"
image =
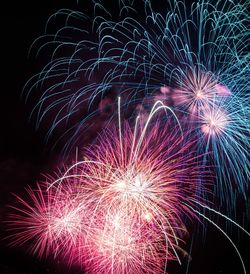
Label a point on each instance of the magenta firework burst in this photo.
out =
(49, 220)
(121, 209)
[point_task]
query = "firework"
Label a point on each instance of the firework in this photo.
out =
(136, 187)
(223, 129)
(199, 92)
(49, 221)
(123, 208)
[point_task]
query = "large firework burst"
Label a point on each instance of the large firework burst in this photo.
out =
(123, 208)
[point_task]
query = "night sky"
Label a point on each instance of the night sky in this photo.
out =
(24, 156)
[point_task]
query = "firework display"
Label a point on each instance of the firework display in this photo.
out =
(169, 93)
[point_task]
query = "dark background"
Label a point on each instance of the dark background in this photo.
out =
(24, 155)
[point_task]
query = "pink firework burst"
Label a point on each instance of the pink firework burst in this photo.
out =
(214, 122)
(50, 221)
(123, 208)
(198, 90)
(137, 198)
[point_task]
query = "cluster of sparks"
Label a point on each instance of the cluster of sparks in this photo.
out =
(123, 207)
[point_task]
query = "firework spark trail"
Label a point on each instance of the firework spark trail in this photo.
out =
(224, 233)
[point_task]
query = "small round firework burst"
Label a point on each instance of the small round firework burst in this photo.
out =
(214, 122)
(50, 221)
(198, 90)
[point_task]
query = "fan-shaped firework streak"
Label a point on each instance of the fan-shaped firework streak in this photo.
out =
(122, 209)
